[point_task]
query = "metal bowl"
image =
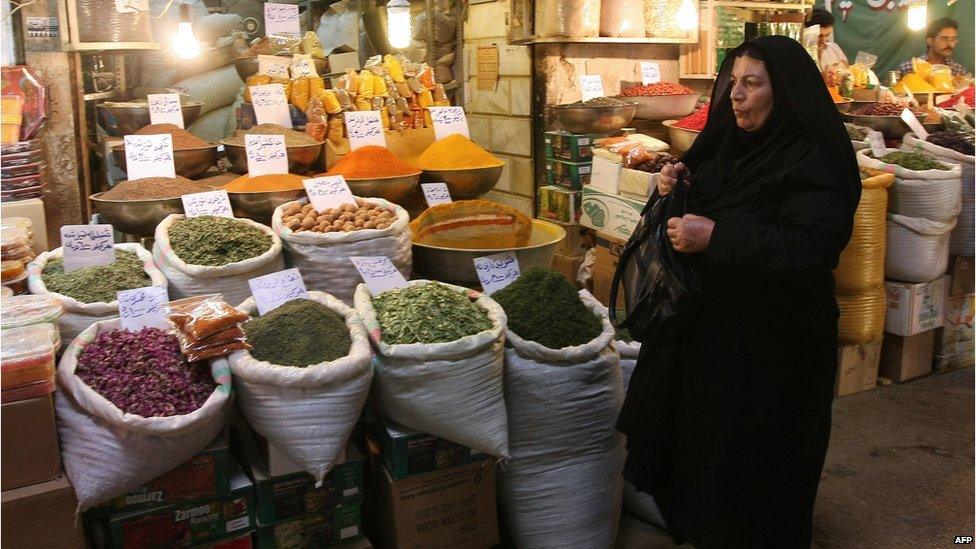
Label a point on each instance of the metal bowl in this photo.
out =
(664, 106)
(261, 205)
(681, 138)
(138, 217)
(578, 119)
(396, 189)
(466, 184)
(120, 119)
(892, 127)
(248, 66)
(301, 159)
(844, 105)
(456, 265)
(189, 163)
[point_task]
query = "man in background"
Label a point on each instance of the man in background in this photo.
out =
(829, 52)
(941, 38)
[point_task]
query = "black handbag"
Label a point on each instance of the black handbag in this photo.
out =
(659, 283)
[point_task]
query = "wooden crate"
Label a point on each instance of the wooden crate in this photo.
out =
(857, 368)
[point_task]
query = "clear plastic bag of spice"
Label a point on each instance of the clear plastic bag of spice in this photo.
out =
(203, 316)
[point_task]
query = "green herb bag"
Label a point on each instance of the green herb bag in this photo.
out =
(307, 413)
(929, 194)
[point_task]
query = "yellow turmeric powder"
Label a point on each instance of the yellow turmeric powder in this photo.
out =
(456, 152)
(264, 183)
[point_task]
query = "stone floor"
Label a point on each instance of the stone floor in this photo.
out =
(899, 471)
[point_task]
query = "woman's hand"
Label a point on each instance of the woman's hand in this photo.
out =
(669, 176)
(691, 233)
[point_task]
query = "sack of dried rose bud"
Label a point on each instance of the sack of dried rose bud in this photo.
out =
(108, 453)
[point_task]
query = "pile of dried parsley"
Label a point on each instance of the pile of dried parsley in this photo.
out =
(96, 284)
(299, 333)
(216, 241)
(428, 313)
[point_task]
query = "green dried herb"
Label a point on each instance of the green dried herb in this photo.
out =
(912, 161)
(855, 133)
(542, 306)
(216, 241)
(96, 284)
(428, 313)
(299, 333)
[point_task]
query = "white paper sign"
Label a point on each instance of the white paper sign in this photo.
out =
(605, 175)
(274, 289)
(143, 308)
(447, 121)
(165, 108)
(877, 143)
(591, 86)
(436, 193)
(302, 66)
(149, 156)
(87, 246)
(272, 65)
(266, 154)
(207, 203)
(270, 104)
(650, 72)
(281, 19)
(496, 271)
(379, 274)
(330, 191)
(914, 124)
(364, 128)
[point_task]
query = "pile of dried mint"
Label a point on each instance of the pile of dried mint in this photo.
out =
(299, 333)
(542, 306)
(913, 161)
(428, 313)
(216, 241)
(96, 284)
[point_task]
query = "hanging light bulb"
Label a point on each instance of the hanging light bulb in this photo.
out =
(398, 23)
(185, 44)
(917, 16)
(687, 17)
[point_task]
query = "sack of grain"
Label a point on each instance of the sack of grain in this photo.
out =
(861, 264)
(917, 249)
(928, 194)
(862, 316)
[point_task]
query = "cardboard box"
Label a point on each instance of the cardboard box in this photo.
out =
(278, 463)
(572, 175)
(569, 146)
(243, 541)
(613, 214)
(578, 241)
(605, 263)
(914, 308)
(857, 368)
(41, 515)
(954, 340)
(342, 524)
(340, 62)
(568, 267)
(636, 184)
(962, 275)
(904, 358)
(29, 440)
(559, 204)
(405, 452)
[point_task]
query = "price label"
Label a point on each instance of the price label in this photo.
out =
(436, 193)
(330, 191)
(650, 72)
(87, 246)
(272, 65)
(281, 19)
(143, 308)
(149, 156)
(591, 86)
(913, 123)
(272, 290)
(266, 154)
(447, 121)
(270, 104)
(877, 143)
(497, 271)
(364, 128)
(165, 108)
(302, 66)
(605, 175)
(207, 203)
(379, 274)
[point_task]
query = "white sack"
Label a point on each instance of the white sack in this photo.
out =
(929, 194)
(108, 453)
(917, 249)
(629, 350)
(215, 89)
(212, 127)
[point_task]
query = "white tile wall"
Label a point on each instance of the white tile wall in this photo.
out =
(511, 135)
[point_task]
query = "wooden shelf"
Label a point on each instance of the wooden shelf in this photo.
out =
(539, 40)
(760, 5)
(101, 95)
(111, 46)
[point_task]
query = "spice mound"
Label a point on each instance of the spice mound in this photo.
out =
(153, 188)
(881, 109)
(456, 152)
(265, 183)
(472, 225)
(346, 218)
(96, 284)
(601, 102)
(660, 88)
(694, 121)
(952, 141)
(182, 139)
(542, 306)
(299, 333)
(143, 373)
(217, 241)
(856, 133)
(371, 162)
(428, 313)
(912, 161)
(292, 137)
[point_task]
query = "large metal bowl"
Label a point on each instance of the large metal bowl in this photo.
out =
(301, 160)
(681, 138)
(261, 205)
(661, 107)
(396, 189)
(466, 184)
(456, 265)
(120, 119)
(579, 119)
(247, 66)
(892, 127)
(137, 217)
(189, 163)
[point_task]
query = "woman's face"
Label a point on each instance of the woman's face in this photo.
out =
(752, 93)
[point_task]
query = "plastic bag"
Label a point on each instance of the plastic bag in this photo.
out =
(207, 327)
(861, 264)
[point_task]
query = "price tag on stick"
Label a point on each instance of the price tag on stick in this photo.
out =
(913, 123)
(266, 154)
(149, 156)
(877, 143)
(496, 271)
(270, 104)
(448, 121)
(436, 193)
(207, 203)
(591, 86)
(143, 308)
(330, 191)
(281, 19)
(379, 274)
(165, 108)
(272, 290)
(364, 128)
(274, 66)
(650, 72)
(87, 246)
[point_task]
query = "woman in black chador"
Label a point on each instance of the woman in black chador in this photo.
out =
(728, 427)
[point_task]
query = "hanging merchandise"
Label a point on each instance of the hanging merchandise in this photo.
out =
(862, 317)
(932, 191)
(861, 264)
(917, 249)
(306, 410)
(567, 18)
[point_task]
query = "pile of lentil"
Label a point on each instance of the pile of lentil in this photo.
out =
(952, 141)
(143, 373)
(182, 139)
(913, 161)
(96, 284)
(542, 306)
(154, 188)
(428, 313)
(299, 333)
(346, 218)
(292, 138)
(216, 241)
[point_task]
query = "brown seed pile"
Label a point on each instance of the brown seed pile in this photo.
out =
(182, 139)
(344, 219)
(154, 188)
(292, 138)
